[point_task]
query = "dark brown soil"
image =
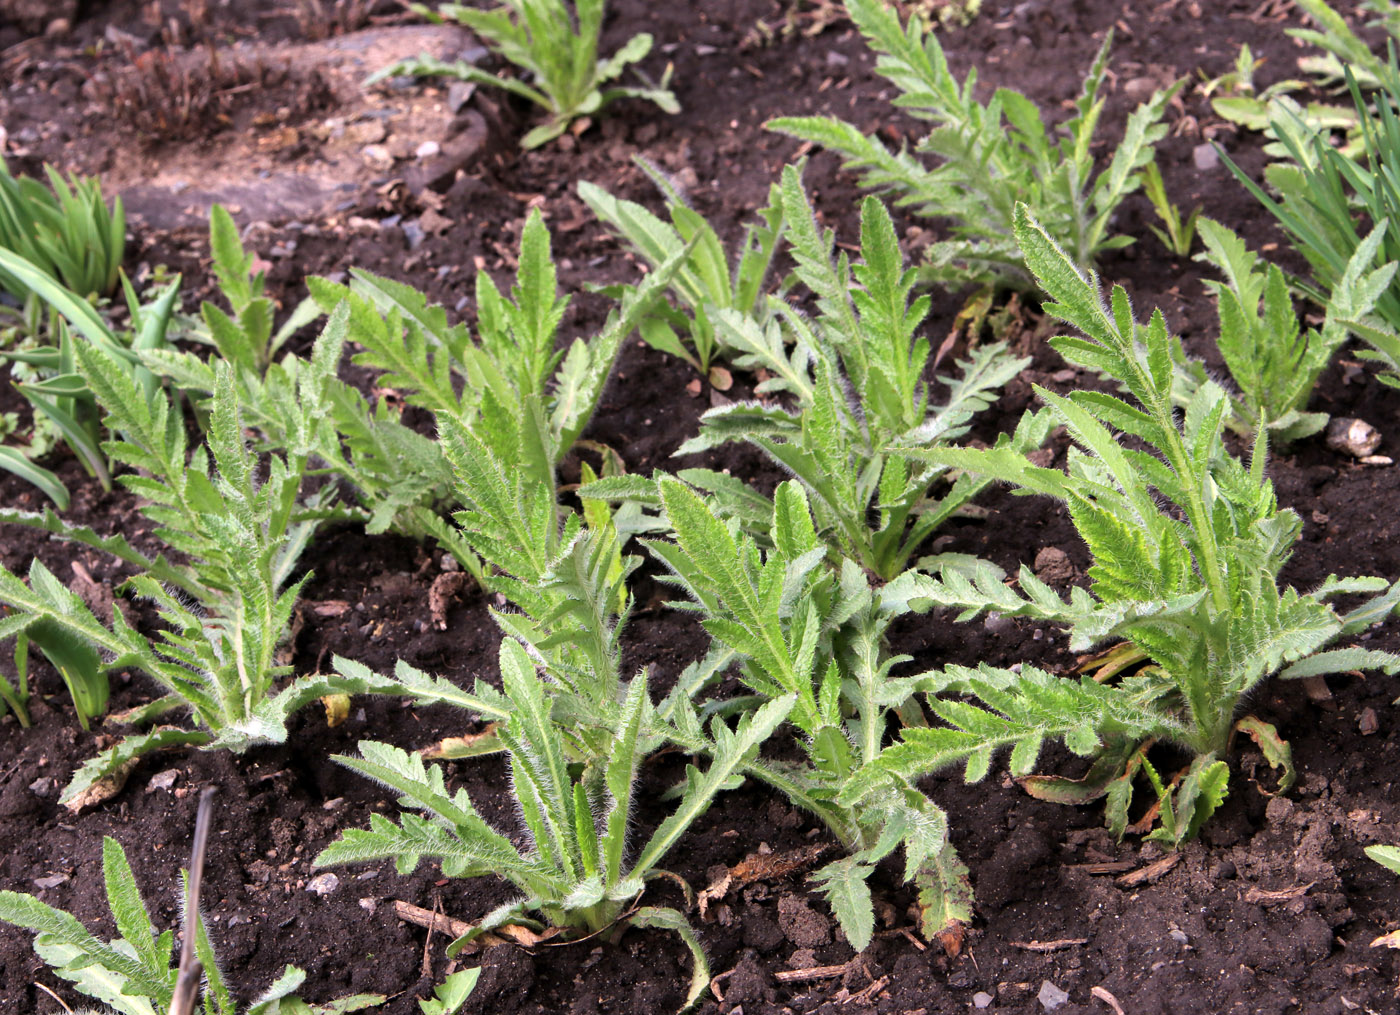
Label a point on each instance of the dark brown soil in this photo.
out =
(1271, 912)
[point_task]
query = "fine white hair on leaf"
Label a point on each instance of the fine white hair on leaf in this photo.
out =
(668, 183)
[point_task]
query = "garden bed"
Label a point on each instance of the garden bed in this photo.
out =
(1272, 910)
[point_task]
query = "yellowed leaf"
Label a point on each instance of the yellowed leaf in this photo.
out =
(337, 708)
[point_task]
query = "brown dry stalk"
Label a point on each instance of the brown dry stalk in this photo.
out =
(1266, 897)
(1146, 875)
(810, 973)
(1103, 995)
(1058, 944)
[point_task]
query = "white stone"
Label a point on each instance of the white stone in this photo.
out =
(163, 780)
(323, 884)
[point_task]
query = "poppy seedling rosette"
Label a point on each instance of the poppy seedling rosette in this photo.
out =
(1187, 544)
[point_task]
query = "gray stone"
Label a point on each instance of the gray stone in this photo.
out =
(1051, 996)
(163, 780)
(1205, 157)
(459, 93)
(982, 999)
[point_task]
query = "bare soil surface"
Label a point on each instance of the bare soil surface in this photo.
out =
(1272, 911)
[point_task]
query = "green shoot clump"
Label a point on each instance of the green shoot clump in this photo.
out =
(61, 400)
(992, 156)
(576, 871)
(812, 632)
(557, 47)
(1272, 360)
(855, 374)
(66, 230)
(1342, 213)
(1187, 544)
(239, 521)
(132, 974)
(705, 284)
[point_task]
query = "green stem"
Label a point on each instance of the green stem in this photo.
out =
(1195, 507)
(15, 700)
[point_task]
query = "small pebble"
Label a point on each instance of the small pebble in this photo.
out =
(163, 780)
(376, 156)
(1368, 722)
(995, 623)
(366, 132)
(427, 150)
(982, 999)
(323, 884)
(1140, 88)
(1356, 437)
(1051, 996)
(1205, 157)
(52, 881)
(1179, 936)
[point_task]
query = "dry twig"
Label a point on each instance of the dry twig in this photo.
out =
(1059, 944)
(1146, 875)
(1103, 995)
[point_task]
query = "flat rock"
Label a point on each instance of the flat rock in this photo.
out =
(349, 149)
